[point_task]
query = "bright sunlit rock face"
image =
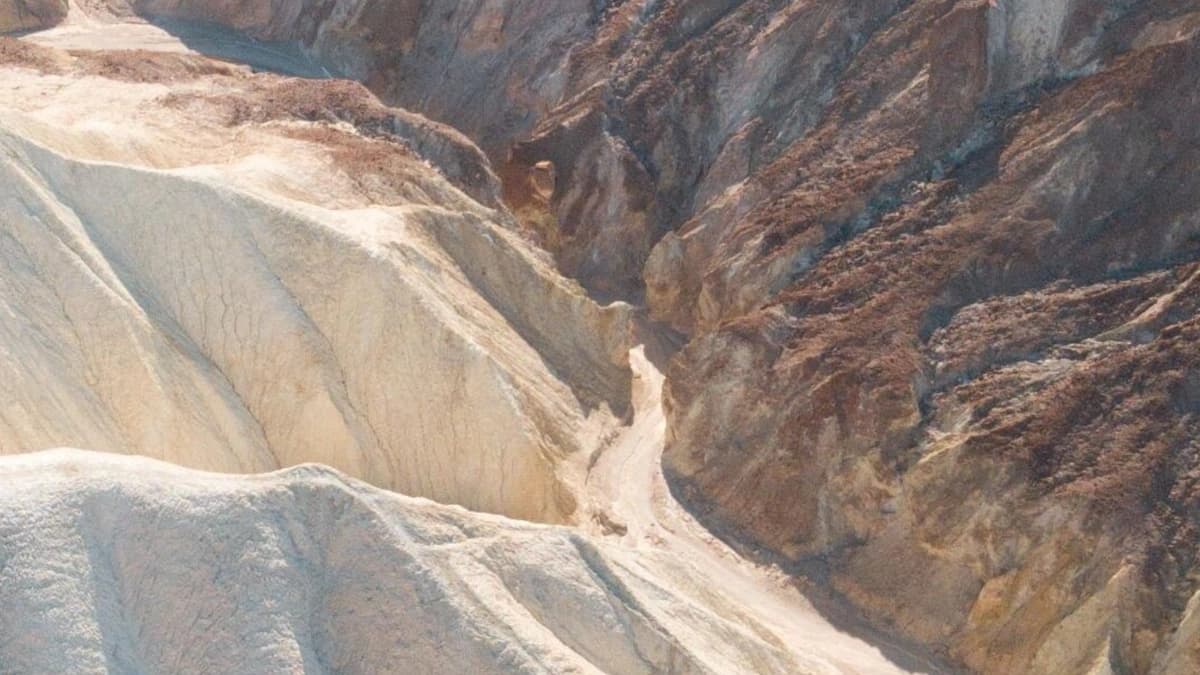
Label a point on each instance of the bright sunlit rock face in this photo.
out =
(194, 275)
(239, 272)
(899, 300)
(126, 565)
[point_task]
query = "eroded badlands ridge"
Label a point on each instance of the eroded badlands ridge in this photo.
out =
(896, 234)
(243, 272)
(123, 564)
(238, 271)
(936, 262)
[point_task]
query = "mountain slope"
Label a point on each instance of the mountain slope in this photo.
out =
(934, 263)
(254, 272)
(894, 235)
(237, 271)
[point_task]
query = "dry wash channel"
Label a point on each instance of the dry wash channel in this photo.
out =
(239, 272)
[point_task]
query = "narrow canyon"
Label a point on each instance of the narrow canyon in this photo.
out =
(622, 336)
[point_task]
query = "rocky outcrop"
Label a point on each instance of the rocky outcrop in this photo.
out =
(928, 354)
(646, 111)
(706, 95)
(236, 272)
(491, 69)
(816, 193)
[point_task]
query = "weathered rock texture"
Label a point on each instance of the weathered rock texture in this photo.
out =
(936, 259)
(928, 356)
(238, 272)
(945, 341)
(126, 565)
(242, 272)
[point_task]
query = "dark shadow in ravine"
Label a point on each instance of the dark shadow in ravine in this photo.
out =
(811, 579)
(226, 44)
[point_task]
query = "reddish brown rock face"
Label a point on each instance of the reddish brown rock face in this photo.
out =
(959, 358)
(928, 307)
(936, 260)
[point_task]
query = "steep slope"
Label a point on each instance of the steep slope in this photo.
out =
(914, 364)
(935, 261)
(631, 501)
(248, 272)
(815, 193)
(236, 272)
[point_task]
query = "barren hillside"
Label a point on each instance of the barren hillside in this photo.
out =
(922, 279)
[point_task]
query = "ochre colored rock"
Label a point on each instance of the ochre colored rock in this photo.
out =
(935, 262)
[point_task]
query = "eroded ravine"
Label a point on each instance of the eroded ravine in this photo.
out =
(250, 271)
(934, 264)
(633, 502)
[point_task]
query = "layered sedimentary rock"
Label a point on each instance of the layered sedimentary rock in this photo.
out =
(241, 272)
(897, 235)
(936, 261)
(928, 356)
(128, 565)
